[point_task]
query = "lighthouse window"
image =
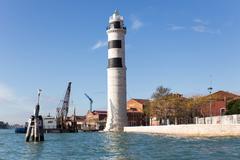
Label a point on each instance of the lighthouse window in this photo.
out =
(115, 24)
(115, 44)
(114, 62)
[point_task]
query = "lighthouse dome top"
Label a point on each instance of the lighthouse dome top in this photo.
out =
(116, 16)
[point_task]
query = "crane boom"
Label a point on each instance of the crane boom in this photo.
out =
(66, 101)
(91, 101)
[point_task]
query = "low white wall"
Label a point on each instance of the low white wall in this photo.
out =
(190, 130)
(227, 119)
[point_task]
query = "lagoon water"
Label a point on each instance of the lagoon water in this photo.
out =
(122, 146)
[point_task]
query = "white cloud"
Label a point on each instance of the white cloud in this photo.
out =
(202, 26)
(205, 29)
(99, 44)
(174, 27)
(199, 25)
(199, 28)
(200, 21)
(136, 23)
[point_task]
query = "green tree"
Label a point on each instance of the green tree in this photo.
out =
(178, 109)
(233, 107)
(161, 92)
(195, 103)
(159, 104)
(166, 105)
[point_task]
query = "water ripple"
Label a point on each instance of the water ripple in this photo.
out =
(117, 146)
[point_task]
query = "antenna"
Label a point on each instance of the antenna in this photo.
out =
(210, 92)
(210, 88)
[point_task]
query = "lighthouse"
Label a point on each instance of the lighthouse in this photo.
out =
(116, 74)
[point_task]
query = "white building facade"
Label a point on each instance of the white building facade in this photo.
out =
(49, 122)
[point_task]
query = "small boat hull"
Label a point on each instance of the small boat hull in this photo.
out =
(21, 130)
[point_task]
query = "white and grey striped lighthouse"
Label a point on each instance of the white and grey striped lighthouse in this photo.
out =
(116, 74)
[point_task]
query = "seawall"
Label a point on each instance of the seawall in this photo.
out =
(206, 130)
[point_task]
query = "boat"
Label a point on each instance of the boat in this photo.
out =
(21, 130)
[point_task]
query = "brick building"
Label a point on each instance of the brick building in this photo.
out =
(95, 120)
(135, 112)
(218, 101)
(80, 120)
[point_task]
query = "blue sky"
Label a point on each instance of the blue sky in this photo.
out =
(177, 44)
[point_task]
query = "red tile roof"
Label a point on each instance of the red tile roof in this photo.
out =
(142, 101)
(99, 112)
(222, 95)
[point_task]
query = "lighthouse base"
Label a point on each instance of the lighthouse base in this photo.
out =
(117, 129)
(116, 121)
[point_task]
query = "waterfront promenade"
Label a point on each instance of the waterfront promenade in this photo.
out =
(199, 130)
